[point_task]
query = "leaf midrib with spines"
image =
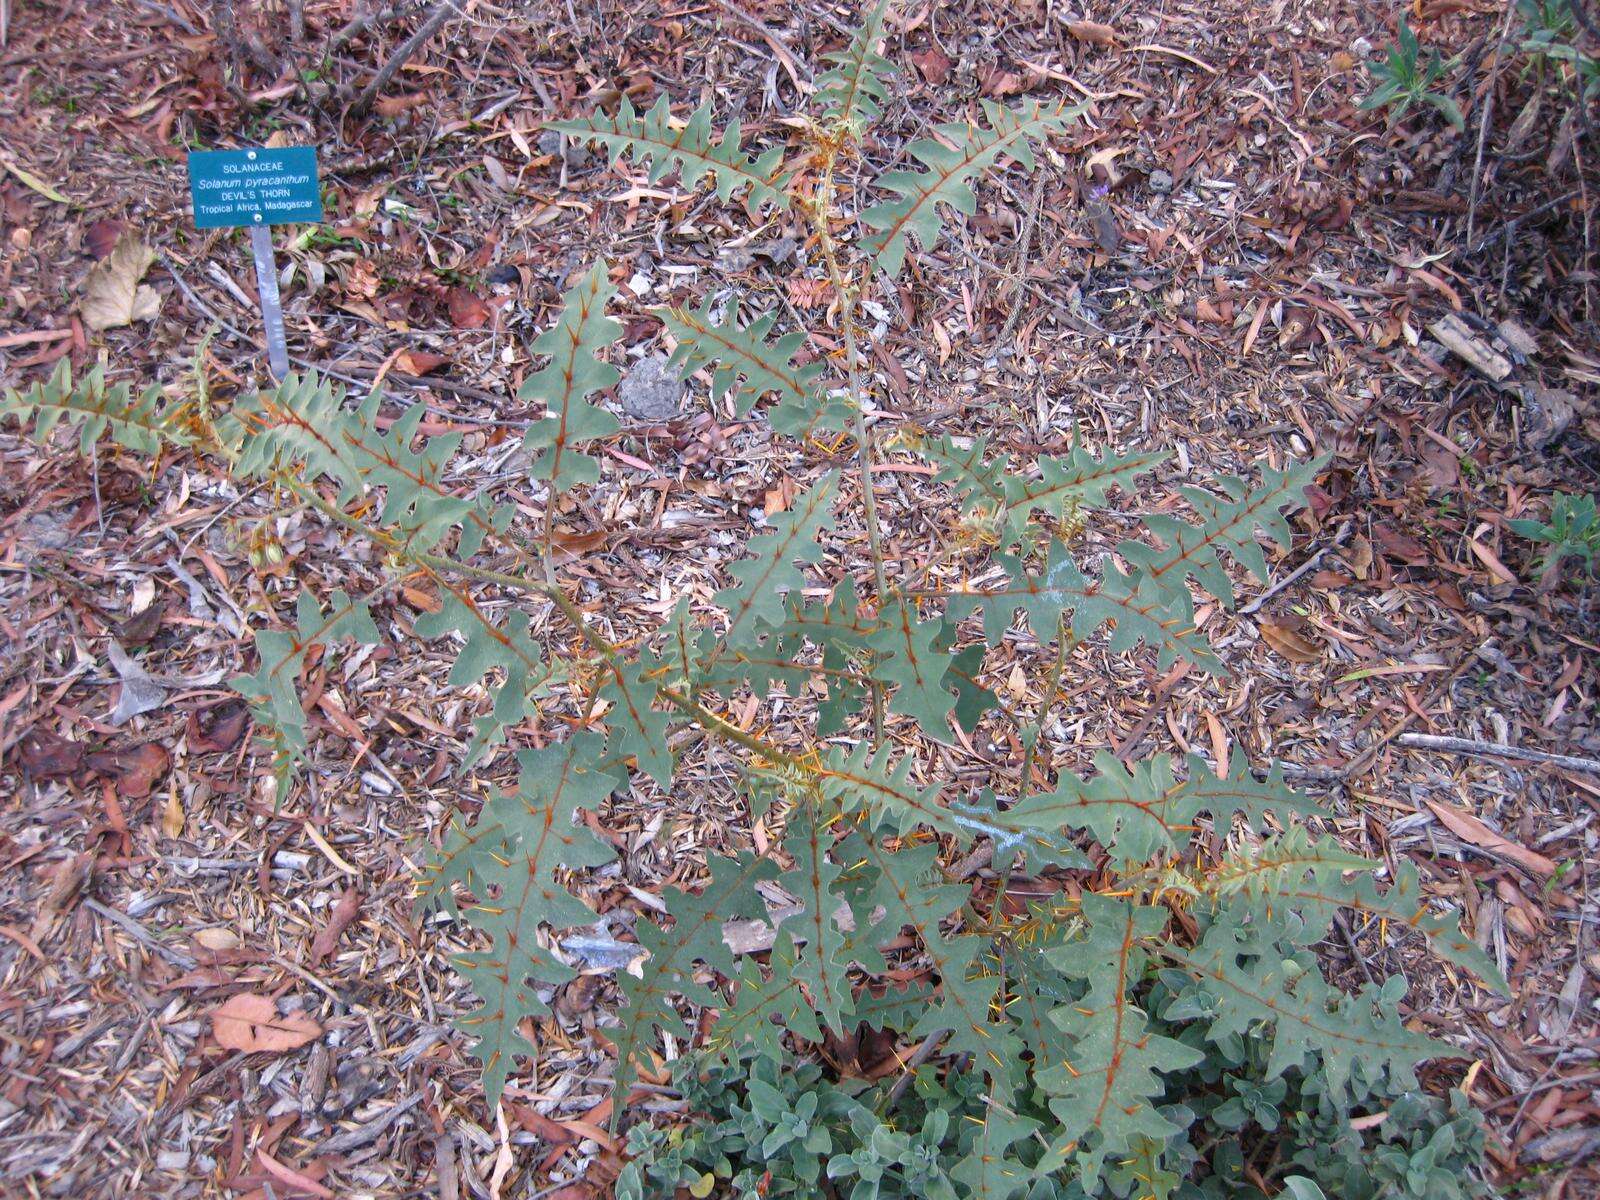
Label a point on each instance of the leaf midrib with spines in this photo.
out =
(793, 385)
(764, 187)
(573, 345)
(776, 555)
(820, 913)
(865, 41)
(1174, 632)
(1120, 992)
(1268, 499)
(937, 178)
(1108, 468)
(967, 465)
(536, 855)
(1280, 1012)
(384, 459)
(633, 1032)
(589, 290)
(930, 940)
(299, 645)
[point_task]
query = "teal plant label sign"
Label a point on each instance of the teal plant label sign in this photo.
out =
(256, 186)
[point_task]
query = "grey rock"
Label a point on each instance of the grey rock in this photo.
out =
(575, 155)
(651, 390)
(1547, 413)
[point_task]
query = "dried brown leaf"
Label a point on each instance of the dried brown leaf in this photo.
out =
(45, 755)
(466, 310)
(251, 1023)
(1092, 32)
(217, 729)
(1470, 829)
(113, 295)
(344, 912)
(134, 769)
(1293, 646)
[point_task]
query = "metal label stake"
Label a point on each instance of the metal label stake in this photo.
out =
(258, 188)
(271, 305)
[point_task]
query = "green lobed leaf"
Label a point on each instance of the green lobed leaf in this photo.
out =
(847, 690)
(1226, 523)
(757, 595)
(1252, 984)
(767, 1005)
(1105, 1093)
(95, 407)
(1142, 814)
(1079, 478)
(1019, 830)
(1136, 813)
(951, 162)
(990, 487)
(988, 1170)
(673, 955)
(575, 372)
(851, 92)
(1310, 877)
(488, 646)
(652, 139)
(979, 480)
(1241, 794)
(272, 688)
(746, 366)
(910, 662)
(1062, 591)
(974, 699)
(822, 966)
(509, 858)
(858, 781)
(638, 729)
(903, 889)
(302, 425)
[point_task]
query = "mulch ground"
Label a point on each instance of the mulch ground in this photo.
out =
(1257, 283)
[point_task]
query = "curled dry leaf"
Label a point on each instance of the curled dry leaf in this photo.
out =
(217, 729)
(1092, 32)
(1293, 646)
(1399, 545)
(138, 629)
(466, 310)
(339, 919)
(297, 1180)
(933, 64)
(577, 998)
(100, 238)
(46, 755)
(112, 292)
(134, 769)
(420, 362)
(252, 1023)
(172, 815)
(1470, 829)
(140, 693)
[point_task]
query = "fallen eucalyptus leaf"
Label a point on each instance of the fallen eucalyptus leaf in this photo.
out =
(251, 1023)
